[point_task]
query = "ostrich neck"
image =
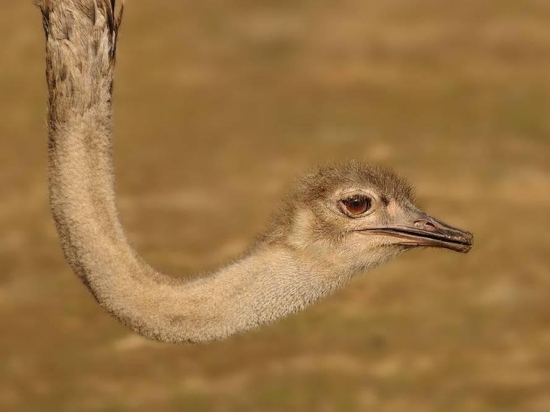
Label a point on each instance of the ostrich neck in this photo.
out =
(260, 287)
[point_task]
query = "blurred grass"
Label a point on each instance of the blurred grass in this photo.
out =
(218, 105)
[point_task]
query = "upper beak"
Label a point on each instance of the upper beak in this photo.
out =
(425, 230)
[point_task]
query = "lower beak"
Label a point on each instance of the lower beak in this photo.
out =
(430, 232)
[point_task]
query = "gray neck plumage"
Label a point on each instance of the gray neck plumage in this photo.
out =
(262, 286)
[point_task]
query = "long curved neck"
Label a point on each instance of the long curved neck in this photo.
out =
(265, 285)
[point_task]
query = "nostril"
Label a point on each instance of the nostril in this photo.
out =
(425, 225)
(430, 226)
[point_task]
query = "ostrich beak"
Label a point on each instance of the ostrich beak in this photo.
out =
(424, 230)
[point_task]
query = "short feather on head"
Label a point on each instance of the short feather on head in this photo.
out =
(325, 180)
(329, 177)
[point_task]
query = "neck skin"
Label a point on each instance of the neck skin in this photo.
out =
(269, 283)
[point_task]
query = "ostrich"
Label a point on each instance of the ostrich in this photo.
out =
(336, 222)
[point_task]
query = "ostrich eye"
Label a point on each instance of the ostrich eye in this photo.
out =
(357, 205)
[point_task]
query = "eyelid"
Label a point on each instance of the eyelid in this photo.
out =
(346, 194)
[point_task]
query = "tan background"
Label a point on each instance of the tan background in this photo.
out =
(218, 105)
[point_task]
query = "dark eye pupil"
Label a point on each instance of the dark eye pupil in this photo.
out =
(357, 205)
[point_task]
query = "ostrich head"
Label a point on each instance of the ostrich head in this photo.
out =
(358, 216)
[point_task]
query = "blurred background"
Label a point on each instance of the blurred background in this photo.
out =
(219, 104)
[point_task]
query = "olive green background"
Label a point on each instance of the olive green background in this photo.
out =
(219, 104)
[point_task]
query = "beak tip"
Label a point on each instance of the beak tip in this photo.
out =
(468, 239)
